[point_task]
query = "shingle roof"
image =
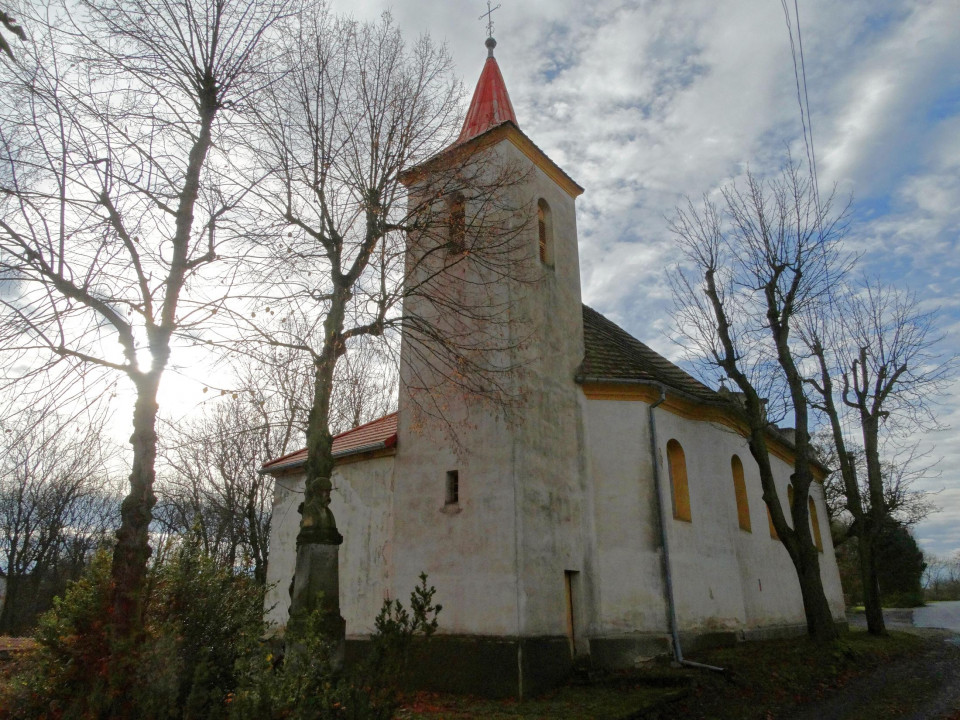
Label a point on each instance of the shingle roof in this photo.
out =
(376, 435)
(612, 354)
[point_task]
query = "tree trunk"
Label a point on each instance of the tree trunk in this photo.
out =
(317, 571)
(799, 545)
(871, 588)
(132, 551)
(877, 514)
(7, 616)
(820, 623)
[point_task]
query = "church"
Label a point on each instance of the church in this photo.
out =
(617, 517)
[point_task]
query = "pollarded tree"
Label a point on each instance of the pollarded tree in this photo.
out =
(753, 269)
(356, 109)
(115, 138)
(903, 465)
(876, 356)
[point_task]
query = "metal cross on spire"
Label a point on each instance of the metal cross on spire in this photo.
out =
(489, 16)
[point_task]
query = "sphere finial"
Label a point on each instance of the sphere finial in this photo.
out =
(490, 43)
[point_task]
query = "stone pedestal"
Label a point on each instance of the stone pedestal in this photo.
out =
(316, 581)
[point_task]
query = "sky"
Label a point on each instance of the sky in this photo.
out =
(644, 103)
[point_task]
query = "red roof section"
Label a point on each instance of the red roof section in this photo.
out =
(375, 435)
(490, 105)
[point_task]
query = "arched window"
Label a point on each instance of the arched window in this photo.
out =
(815, 524)
(458, 223)
(740, 489)
(545, 232)
(680, 492)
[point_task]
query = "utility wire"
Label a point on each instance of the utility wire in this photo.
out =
(806, 121)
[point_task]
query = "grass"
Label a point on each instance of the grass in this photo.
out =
(567, 703)
(761, 680)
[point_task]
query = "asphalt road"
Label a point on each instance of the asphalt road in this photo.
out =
(938, 615)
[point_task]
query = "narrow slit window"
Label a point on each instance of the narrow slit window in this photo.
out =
(740, 490)
(453, 487)
(678, 481)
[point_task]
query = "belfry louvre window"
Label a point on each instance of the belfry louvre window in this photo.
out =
(740, 490)
(458, 224)
(545, 232)
(453, 487)
(679, 489)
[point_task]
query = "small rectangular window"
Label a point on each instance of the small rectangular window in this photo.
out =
(453, 487)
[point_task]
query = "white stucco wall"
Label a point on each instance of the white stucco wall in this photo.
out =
(547, 439)
(724, 578)
(499, 559)
(361, 503)
(558, 484)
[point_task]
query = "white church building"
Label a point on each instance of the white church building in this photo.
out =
(621, 510)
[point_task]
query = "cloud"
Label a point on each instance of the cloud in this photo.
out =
(643, 103)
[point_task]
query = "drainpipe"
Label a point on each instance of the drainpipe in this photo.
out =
(662, 514)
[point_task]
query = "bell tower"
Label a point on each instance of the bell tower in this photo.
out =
(488, 497)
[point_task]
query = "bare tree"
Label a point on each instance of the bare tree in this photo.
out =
(903, 466)
(357, 110)
(941, 577)
(115, 136)
(56, 504)
(215, 485)
(879, 348)
(12, 26)
(212, 489)
(751, 275)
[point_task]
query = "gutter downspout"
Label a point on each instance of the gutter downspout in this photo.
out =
(667, 573)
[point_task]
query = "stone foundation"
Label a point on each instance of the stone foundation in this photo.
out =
(486, 666)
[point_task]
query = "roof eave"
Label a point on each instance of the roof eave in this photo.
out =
(507, 130)
(582, 379)
(273, 469)
(773, 434)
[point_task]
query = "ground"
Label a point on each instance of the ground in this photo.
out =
(912, 675)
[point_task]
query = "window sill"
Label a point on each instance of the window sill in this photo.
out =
(451, 509)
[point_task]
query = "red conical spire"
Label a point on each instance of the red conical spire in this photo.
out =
(491, 104)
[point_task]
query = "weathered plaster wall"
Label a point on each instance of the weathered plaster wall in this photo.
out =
(498, 559)
(629, 578)
(724, 578)
(360, 501)
(548, 470)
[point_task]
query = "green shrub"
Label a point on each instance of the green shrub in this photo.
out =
(201, 654)
(199, 620)
(304, 684)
